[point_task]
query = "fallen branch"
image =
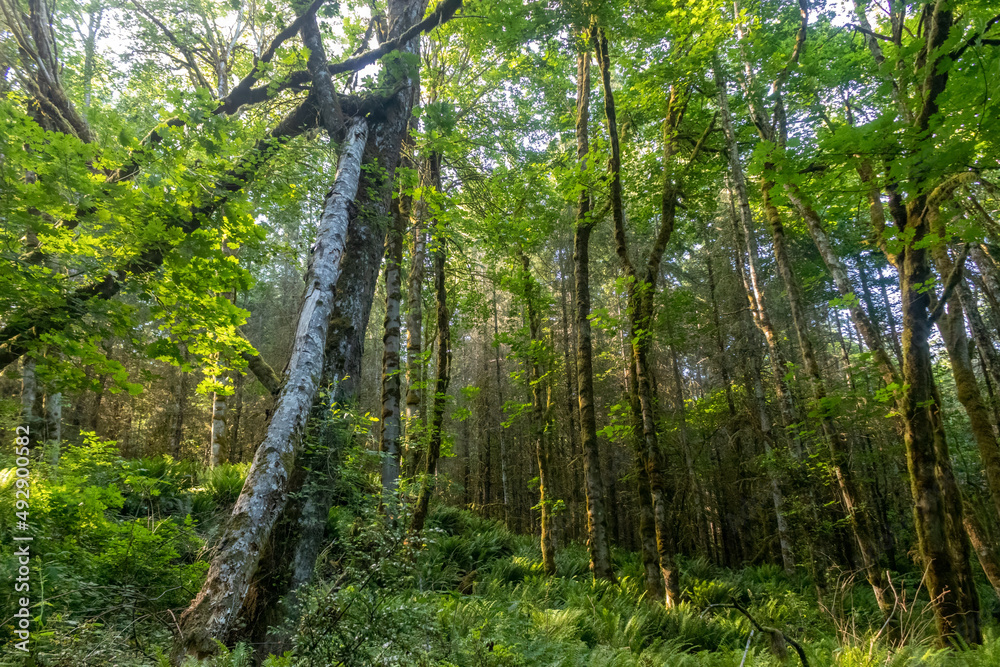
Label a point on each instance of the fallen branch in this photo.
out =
(778, 638)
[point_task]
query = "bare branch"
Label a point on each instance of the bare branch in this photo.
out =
(949, 285)
(243, 93)
(441, 15)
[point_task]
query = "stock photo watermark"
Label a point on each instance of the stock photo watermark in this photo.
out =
(22, 538)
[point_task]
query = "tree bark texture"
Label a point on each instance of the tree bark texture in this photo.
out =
(951, 325)
(441, 381)
(219, 437)
(215, 608)
(392, 424)
(985, 548)
(541, 412)
(937, 507)
(597, 523)
(415, 364)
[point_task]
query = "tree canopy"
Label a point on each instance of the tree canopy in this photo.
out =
(349, 307)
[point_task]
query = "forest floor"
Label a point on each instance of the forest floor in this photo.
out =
(508, 613)
(122, 546)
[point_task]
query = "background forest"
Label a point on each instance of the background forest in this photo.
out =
(501, 333)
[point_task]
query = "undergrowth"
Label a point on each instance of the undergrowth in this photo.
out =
(122, 548)
(475, 595)
(118, 548)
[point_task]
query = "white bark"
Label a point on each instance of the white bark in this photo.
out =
(29, 396)
(214, 610)
(218, 438)
(53, 427)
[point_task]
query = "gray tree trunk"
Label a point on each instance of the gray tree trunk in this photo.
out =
(29, 397)
(597, 523)
(219, 443)
(53, 427)
(392, 424)
(213, 611)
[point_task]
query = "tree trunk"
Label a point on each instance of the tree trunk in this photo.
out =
(989, 281)
(574, 479)
(988, 356)
(344, 346)
(213, 611)
(541, 413)
(486, 450)
(415, 363)
(744, 231)
(597, 524)
(951, 324)
(177, 425)
(731, 542)
(314, 481)
(744, 236)
(985, 548)
(391, 385)
(501, 429)
(29, 397)
(889, 316)
(937, 508)
(652, 577)
(840, 278)
(53, 427)
(94, 418)
(443, 371)
(235, 449)
(699, 497)
(640, 316)
(850, 493)
(219, 441)
(90, 51)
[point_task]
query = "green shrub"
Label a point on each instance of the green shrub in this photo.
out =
(225, 481)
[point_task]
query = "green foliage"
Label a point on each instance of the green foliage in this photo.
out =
(116, 549)
(224, 482)
(475, 595)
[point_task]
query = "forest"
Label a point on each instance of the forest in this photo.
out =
(500, 333)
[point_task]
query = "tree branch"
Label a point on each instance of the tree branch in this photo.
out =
(949, 285)
(185, 51)
(763, 629)
(264, 373)
(244, 93)
(441, 14)
(871, 33)
(26, 327)
(326, 97)
(978, 37)
(248, 95)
